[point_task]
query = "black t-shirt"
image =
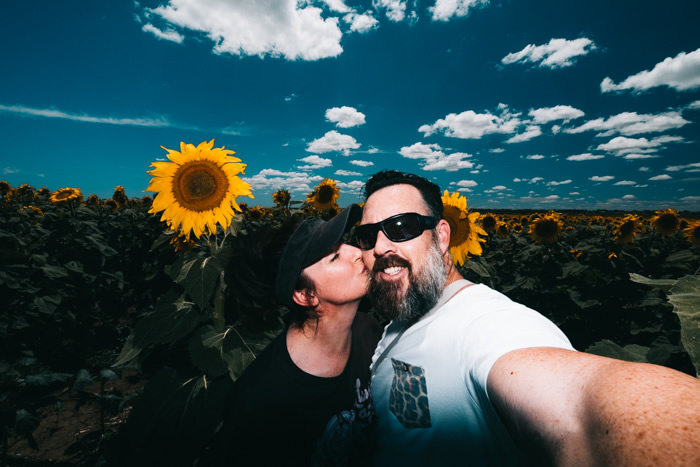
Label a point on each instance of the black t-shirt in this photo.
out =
(279, 414)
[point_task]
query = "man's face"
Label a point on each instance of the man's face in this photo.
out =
(406, 278)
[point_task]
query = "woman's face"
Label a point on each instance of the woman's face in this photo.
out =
(340, 277)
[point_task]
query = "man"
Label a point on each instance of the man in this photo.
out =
(464, 375)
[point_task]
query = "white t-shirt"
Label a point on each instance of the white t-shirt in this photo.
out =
(429, 387)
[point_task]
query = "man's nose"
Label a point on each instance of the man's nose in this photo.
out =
(383, 245)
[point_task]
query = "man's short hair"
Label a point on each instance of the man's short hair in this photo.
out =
(428, 190)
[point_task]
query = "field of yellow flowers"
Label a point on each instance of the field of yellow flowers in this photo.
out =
(141, 322)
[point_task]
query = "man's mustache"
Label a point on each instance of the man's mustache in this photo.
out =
(388, 261)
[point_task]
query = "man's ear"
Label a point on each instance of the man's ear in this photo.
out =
(443, 233)
(305, 298)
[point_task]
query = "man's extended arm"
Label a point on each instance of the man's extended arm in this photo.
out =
(573, 408)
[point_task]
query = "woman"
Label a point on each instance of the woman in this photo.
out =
(305, 400)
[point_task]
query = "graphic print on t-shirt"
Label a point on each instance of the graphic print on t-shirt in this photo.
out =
(408, 399)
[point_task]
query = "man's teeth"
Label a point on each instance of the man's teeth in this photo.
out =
(393, 270)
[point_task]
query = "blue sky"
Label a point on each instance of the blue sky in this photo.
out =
(543, 104)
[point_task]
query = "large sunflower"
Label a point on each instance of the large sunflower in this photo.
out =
(692, 232)
(547, 228)
(66, 195)
(627, 229)
(464, 231)
(324, 196)
(666, 222)
(198, 188)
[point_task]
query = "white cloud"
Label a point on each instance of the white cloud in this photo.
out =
(345, 117)
(497, 150)
(471, 125)
(443, 10)
(558, 53)
(563, 182)
(535, 157)
(604, 178)
(52, 113)
(315, 162)
(337, 5)
(629, 197)
(168, 35)
(639, 156)
(278, 28)
(625, 182)
(273, 179)
(435, 159)
(333, 141)
(354, 186)
(465, 183)
(395, 9)
(558, 112)
(681, 73)
(290, 97)
(585, 157)
(622, 145)
(695, 105)
(661, 177)
(632, 123)
(347, 173)
(9, 170)
(362, 163)
(532, 131)
(361, 22)
(693, 167)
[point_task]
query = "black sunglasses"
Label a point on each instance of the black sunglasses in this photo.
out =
(398, 228)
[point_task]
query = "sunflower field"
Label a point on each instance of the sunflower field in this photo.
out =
(126, 320)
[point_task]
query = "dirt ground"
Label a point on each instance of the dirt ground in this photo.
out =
(73, 425)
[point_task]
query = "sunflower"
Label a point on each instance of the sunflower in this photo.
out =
(33, 210)
(692, 232)
(66, 195)
(182, 243)
(547, 228)
(324, 196)
(517, 228)
(198, 188)
(464, 231)
(489, 222)
(110, 203)
(256, 214)
(666, 222)
(281, 198)
(5, 188)
(502, 230)
(93, 201)
(120, 196)
(628, 228)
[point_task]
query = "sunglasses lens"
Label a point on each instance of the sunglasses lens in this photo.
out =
(366, 236)
(402, 228)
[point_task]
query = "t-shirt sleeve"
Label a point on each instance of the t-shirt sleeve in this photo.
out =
(505, 327)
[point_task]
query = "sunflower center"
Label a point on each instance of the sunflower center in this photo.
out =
(200, 185)
(489, 223)
(546, 228)
(627, 228)
(64, 195)
(325, 194)
(668, 221)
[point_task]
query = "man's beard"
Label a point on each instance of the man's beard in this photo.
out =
(423, 291)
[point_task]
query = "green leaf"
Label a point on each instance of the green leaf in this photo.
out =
(54, 272)
(630, 353)
(685, 298)
(662, 283)
(215, 352)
